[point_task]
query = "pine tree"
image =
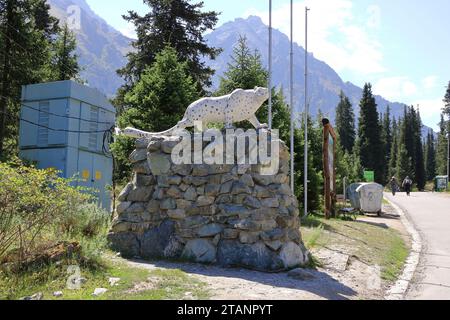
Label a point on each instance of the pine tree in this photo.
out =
(394, 150)
(430, 157)
(369, 135)
(345, 123)
(27, 31)
(419, 171)
(65, 60)
(442, 148)
(175, 23)
(245, 71)
(404, 167)
(156, 103)
(387, 141)
(447, 101)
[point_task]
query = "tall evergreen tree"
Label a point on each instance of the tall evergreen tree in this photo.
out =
(394, 150)
(447, 101)
(430, 156)
(65, 60)
(345, 123)
(156, 103)
(419, 170)
(387, 141)
(244, 71)
(27, 31)
(369, 135)
(404, 167)
(177, 23)
(442, 148)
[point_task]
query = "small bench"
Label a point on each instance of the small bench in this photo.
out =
(346, 212)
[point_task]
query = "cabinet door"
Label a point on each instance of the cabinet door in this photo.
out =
(85, 169)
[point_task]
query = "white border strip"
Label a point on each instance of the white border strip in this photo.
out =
(398, 290)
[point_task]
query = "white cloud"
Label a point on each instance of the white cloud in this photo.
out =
(129, 31)
(430, 82)
(430, 111)
(374, 20)
(334, 34)
(395, 88)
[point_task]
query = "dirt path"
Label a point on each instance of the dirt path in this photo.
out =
(342, 276)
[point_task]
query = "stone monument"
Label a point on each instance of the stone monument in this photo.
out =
(232, 215)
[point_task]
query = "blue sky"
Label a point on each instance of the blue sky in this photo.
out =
(401, 46)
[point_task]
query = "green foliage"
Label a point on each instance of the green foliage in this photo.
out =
(38, 208)
(156, 102)
(26, 37)
(370, 143)
(65, 60)
(345, 123)
(447, 101)
(410, 138)
(394, 150)
(430, 157)
(176, 23)
(387, 141)
(442, 148)
(404, 167)
(245, 71)
(348, 166)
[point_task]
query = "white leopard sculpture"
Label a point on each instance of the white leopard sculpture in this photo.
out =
(238, 106)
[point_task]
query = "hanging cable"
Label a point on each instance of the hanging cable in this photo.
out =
(63, 116)
(48, 128)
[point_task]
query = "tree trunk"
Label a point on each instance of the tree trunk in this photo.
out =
(6, 70)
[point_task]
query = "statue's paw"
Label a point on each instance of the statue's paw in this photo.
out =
(264, 126)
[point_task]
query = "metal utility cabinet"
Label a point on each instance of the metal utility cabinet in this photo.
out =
(59, 131)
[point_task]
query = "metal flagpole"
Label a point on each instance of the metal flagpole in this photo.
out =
(306, 114)
(270, 65)
(291, 91)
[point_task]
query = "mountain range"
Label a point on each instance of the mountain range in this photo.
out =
(102, 51)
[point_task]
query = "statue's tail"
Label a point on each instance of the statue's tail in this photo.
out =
(138, 134)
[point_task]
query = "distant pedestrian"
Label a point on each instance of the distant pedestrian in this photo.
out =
(394, 185)
(407, 185)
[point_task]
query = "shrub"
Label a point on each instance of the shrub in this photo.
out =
(38, 208)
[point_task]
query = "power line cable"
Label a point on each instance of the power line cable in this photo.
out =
(51, 129)
(62, 116)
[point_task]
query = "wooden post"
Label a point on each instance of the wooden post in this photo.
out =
(329, 168)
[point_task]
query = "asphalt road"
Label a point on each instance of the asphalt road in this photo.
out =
(430, 213)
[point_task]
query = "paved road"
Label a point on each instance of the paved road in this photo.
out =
(430, 213)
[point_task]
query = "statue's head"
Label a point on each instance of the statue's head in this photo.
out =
(262, 93)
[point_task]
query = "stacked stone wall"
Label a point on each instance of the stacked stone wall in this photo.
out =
(229, 215)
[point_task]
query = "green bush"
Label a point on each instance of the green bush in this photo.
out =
(38, 209)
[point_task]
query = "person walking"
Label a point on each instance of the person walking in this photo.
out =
(407, 185)
(394, 185)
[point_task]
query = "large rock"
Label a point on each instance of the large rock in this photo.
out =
(209, 230)
(253, 256)
(200, 250)
(155, 241)
(140, 194)
(125, 243)
(138, 155)
(292, 256)
(125, 192)
(159, 163)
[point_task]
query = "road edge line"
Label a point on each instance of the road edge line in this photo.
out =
(399, 289)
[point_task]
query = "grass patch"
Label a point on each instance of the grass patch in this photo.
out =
(134, 284)
(372, 243)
